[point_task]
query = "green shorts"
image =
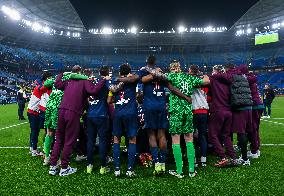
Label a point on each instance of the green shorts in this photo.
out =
(181, 122)
(51, 113)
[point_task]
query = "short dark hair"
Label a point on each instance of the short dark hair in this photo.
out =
(104, 71)
(218, 68)
(124, 69)
(88, 72)
(151, 60)
(194, 69)
(45, 75)
(229, 66)
(76, 69)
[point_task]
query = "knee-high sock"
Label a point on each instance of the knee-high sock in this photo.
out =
(163, 156)
(243, 143)
(131, 156)
(47, 145)
(178, 157)
(154, 152)
(102, 150)
(116, 156)
(190, 155)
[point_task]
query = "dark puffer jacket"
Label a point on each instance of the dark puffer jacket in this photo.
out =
(240, 91)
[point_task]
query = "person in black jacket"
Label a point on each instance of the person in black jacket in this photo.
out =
(268, 97)
(21, 99)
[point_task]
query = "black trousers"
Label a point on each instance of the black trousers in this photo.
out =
(21, 110)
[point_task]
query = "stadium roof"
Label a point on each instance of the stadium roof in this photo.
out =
(56, 13)
(262, 12)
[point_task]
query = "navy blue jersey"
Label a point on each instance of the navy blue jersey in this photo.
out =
(125, 100)
(98, 106)
(154, 93)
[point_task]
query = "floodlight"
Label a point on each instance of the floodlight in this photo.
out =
(28, 23)
(249, 31)
(12, 13)
(46, 29)
(133, 30)
(106, 30)
(36, 26)
(181, 29)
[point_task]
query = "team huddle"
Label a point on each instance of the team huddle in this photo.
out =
(75, 106)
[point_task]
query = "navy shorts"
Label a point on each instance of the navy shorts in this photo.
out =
(41, 119)
(155, 119)
(127, 123)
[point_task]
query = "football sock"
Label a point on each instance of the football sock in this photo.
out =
(178, 157)
(163, 156)
(116, 156)
(243, 143)
(102, 150)
(47, 145)
(190, 155)
(131, 156)
(154, 152)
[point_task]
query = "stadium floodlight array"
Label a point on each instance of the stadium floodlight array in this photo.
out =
(181, 29)
(108, 31)
(36, 26)
(12, 13)
(208, 29)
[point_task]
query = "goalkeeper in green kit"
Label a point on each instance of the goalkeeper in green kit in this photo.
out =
(181, 115)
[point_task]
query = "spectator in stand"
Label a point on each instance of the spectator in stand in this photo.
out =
(21, 99)
(268, 97)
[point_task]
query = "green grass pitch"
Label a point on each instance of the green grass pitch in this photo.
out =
(21, 174)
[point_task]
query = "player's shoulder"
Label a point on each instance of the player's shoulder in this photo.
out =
(142, 71)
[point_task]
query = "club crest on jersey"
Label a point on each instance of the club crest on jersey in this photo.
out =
(94, 102)
(122, 101)
(156, 90)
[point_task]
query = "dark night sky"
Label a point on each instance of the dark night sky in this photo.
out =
(160, 14)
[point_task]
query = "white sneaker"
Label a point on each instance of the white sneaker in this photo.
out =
(36, 153)
(117, 173)
(240, 161)
(81, 157)
(53, 170)
(251, 155)
(258, 153)
(46, 161)
(65, 172)
(267, 116)
(174, 173)
(130, 174)
(203, 161)
(263, 117)
(246, 163)
(192, 174)
(31, 150)
(109, 159)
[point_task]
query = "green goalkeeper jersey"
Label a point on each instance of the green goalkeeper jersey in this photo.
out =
(185, 83)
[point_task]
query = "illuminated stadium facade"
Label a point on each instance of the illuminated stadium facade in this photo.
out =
(55, 26)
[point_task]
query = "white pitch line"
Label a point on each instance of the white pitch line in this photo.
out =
(13, 147)
(277, 118)
(278, 123)
(11, 126)
(272, 144)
